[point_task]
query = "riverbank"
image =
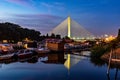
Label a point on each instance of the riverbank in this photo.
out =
(115, 58)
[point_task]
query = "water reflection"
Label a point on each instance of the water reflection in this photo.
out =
(33, 60)
(114, 67)
(97, 61)
(46, 58)
(67, 67)
(71, 60)
(55, 58)
(115, 76)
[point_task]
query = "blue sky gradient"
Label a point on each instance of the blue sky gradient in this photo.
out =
(98, 16)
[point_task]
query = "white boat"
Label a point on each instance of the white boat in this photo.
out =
(42, 50)
(6, 57)
(24, 53)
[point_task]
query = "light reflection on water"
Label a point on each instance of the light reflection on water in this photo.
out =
(57, 67)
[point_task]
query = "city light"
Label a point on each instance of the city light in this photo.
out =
(109, 38)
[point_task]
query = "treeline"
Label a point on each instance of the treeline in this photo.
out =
(14, 33)
(51, 36)
(55, 36)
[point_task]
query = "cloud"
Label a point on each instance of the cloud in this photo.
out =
(20, 2)
(47, 5)
(26, 3)
(36, 16)
(58, 3)
(40, 22)
(53, 6)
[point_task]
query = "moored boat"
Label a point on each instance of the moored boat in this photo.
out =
(6, 57)
(24, 54)
(42, 50)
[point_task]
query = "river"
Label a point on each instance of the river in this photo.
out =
(57, 67)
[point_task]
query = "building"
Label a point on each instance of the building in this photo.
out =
(55, 44)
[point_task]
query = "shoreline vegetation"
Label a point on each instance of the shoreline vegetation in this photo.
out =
(103, 50)
(99, 50)
(14, 33)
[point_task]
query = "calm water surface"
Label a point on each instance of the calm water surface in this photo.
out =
(57, 67)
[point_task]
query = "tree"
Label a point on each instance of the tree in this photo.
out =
(14, 32)
(66, 37)
(58, 36)
(47, 36)
(118, 36)
(52, 35)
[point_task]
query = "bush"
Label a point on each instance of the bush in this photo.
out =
(98, 50)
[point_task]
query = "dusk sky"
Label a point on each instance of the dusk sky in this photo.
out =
(97, 16)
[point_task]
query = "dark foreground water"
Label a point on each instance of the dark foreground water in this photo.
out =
(57, 67)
